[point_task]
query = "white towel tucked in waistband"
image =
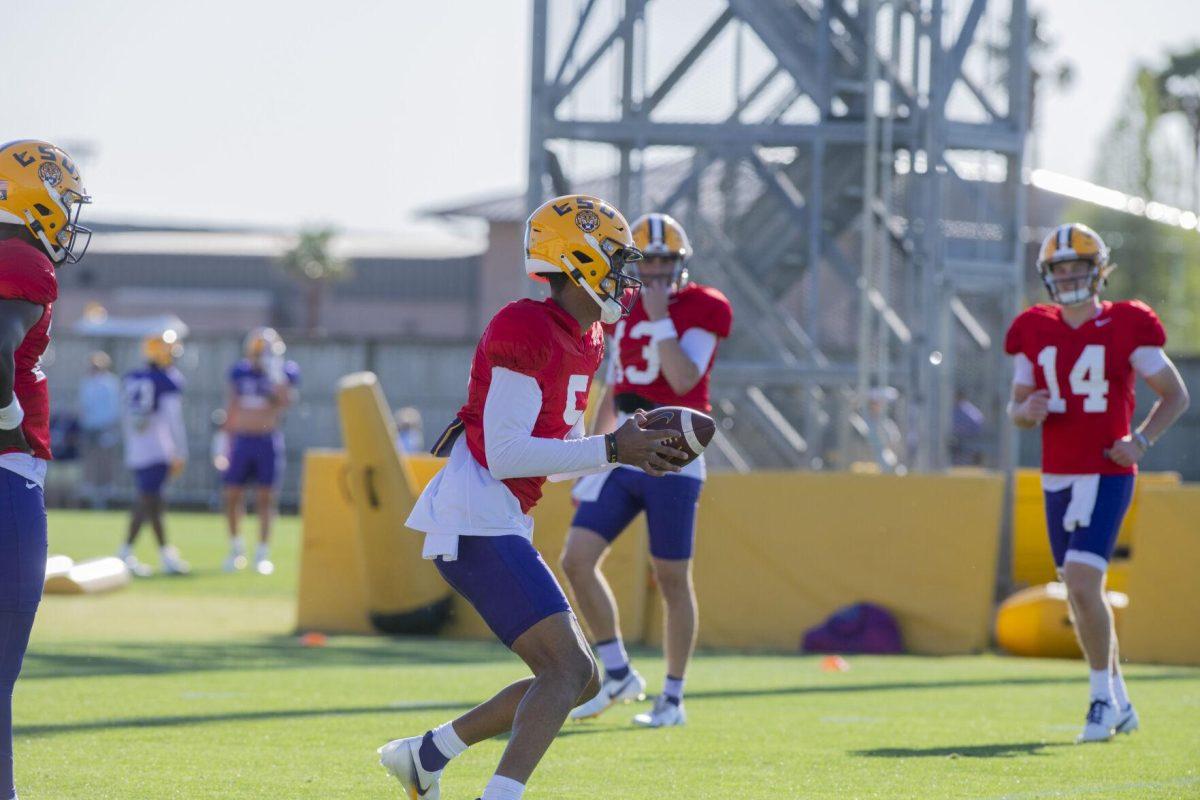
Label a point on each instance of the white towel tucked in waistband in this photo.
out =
(1084, 490)
(440, 544)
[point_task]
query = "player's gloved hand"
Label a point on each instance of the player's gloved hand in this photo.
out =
(177, 465)
(1125, 451)
(645, 449)
(1035, 408)
(14, 439)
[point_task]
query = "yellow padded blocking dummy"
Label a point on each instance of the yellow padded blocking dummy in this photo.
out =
(1163, 623)
(777, 552)
(1035, 622)
(332, 597)
(405, 594)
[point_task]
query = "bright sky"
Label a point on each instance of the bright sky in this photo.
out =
(360, 112)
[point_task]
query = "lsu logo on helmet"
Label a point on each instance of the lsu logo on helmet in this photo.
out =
(41, 190)
(590, 242)
(1074, 241)
(659, 235)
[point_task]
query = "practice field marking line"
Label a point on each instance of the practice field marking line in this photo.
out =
(1080, 791)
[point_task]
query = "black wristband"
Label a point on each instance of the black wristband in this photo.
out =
(610, 447)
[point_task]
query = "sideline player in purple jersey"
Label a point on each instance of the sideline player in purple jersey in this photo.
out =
(261, 388)
(155, 445)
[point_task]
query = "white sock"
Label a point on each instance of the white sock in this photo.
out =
(612, 654)
(673, 687)
(167, 553)
(1101, 683)
(236, 546)
(124, 552)
(263, 553)
(501, 788)
(447, 741)
(1119, 691)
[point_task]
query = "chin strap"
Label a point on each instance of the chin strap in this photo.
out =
(57, 254)
(610, 310)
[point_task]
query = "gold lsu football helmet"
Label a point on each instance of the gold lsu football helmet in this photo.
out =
(1074, 241)
(661, 236)
(41, 190)
(162, 348)
(264, 343)
(590, 242)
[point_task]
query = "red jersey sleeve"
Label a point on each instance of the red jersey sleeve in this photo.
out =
(518, 340)
(1147, 329)
(27, 275)
(1014, 340)
(710, 311)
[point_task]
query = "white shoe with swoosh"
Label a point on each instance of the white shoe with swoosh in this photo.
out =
(400, 758)
(612, 691)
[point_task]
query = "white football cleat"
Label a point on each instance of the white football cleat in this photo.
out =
(1101, 719)
(612, 691)
(664, 715)
(137, 568)
(172, 564)
(236, 560)
(264, 566)
(400, 758)
(1127, 721)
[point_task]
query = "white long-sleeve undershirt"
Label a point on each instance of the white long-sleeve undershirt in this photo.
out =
(171, 406)
(513, 403)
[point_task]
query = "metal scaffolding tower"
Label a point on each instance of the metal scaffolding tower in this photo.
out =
(851, 176)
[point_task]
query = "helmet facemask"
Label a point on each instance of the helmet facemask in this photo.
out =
(617, 291)
(678, 277)
(1076, 289)
(71, 243)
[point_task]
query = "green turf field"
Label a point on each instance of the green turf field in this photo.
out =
(195, 688)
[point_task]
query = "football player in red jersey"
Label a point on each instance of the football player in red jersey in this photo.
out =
(41, 194)
(523, 421)
(663, 356)
(1077, 362)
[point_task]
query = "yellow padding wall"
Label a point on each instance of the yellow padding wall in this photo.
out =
(778, 552)
(1163, 620)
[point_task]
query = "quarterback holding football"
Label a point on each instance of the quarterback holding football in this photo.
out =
(663, 356)
(522, 423)
(1077, 362)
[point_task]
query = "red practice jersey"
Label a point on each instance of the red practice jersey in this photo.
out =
(637, 367)
(541, 340)
(1088, 374)
(26, 273)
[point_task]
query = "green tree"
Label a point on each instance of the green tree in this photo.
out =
(1178, 91)
(314, 267)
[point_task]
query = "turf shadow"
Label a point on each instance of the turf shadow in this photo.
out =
(1004, 750)
(53, 729)
(155, 658)
(965, 683)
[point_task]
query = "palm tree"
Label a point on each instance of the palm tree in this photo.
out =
(311, 263)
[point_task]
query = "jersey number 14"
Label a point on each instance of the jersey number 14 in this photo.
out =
(1086, 379)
